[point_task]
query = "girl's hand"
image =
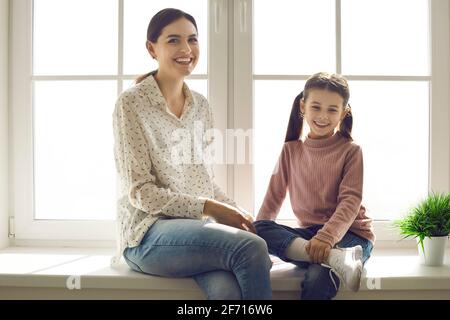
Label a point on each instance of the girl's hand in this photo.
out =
(318, 250)
(228, 215)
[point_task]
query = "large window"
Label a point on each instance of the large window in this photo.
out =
(81, 55)
(73, 160)
(71, 58)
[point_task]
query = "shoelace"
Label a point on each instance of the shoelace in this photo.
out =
(331, 270)
(330, 273)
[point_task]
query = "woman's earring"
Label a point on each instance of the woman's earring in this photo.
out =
(301, 115)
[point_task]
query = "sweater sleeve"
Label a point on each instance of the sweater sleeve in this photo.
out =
(349, 200)
(276, 191)
(134, 165)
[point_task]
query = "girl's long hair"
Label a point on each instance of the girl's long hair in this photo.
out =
(159, 21)
(331, 82)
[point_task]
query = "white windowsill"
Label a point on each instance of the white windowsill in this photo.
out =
(23, 268)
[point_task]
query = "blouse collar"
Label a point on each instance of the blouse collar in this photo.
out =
(149, 87)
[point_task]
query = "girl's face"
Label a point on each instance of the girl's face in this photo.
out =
(323, 111)
(176, 49)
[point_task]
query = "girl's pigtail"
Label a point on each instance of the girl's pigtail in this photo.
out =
(294, 129)
(345, 128)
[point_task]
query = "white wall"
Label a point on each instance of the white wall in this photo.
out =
(4, 31)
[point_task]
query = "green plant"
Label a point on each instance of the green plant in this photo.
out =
(429, 218)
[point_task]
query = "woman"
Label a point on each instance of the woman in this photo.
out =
(174, 221)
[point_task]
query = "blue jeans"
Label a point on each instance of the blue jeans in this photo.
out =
(227, 263)
(317, 284)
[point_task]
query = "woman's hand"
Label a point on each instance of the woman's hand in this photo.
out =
(318, 250)
(228, 215)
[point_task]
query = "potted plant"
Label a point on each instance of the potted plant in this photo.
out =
(429, 223)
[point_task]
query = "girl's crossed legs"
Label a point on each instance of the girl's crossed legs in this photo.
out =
(317, 284)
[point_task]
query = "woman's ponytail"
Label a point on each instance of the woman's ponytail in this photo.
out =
(295, 125)
(142, 77)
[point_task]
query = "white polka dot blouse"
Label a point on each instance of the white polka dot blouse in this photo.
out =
(160, 160)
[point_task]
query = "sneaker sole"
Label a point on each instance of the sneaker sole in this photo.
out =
(358, 253)
(358, 285)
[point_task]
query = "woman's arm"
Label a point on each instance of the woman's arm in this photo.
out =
(221, 196)
(226, 214)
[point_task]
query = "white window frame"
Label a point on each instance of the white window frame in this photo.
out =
(230, 93)
(28, 230)
(439, 148)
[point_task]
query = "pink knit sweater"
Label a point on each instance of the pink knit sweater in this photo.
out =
(325, 182)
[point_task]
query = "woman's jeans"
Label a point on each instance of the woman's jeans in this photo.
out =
(227, 263)
(317, 284)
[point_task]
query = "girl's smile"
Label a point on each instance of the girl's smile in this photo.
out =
(320, 125)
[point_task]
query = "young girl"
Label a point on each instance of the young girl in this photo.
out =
(324, 176)
(173, 220)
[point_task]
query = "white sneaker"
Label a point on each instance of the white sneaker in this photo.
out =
(347, 264)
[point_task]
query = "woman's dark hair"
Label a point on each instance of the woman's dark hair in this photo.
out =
(331, 82)
(159, 21)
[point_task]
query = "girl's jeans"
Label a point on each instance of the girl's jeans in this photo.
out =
(227, 263)
(317, 284)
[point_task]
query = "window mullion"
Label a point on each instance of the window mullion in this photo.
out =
(120, 47)
(439, 172)
(243, 99)
(218, 78)
(338, 38)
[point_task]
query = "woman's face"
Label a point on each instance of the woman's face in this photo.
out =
(176, 49)
(323, 111)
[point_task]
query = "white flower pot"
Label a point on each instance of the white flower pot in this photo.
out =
(434, 251)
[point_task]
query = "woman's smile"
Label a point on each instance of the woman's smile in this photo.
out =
(184, 61)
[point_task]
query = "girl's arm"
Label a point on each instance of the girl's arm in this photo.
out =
(276, 192)
(349, 200)
(132, 156)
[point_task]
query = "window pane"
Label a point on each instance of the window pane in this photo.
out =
(128, 84)
(392, 128)
(385, 37)
(200, 86)
(73, 150)
(271, 116)
(74, 37)
(137, 15)
(300, 39)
